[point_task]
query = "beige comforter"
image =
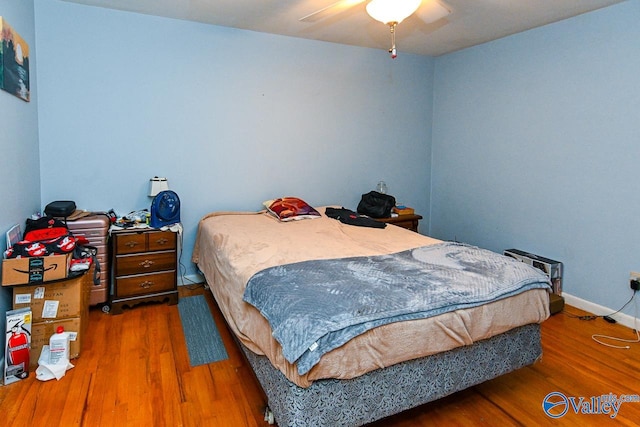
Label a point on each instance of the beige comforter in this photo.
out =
(231, 247)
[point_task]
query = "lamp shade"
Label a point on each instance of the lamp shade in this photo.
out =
(156, 185)
(389, 11)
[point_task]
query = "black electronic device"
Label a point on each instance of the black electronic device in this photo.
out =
(552, 268)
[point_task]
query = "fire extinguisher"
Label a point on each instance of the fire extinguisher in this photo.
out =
(18, 349)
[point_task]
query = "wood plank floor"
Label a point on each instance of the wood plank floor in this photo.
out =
(134, 371)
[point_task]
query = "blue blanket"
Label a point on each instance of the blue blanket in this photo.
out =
(316, 306)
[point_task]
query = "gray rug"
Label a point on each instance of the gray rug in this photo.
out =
(203, 339)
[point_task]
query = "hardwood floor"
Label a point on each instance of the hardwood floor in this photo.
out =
(134, 371)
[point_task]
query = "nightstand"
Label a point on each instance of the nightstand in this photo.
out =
(409, 222)
(144, 267)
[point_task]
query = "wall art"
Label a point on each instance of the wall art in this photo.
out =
(14, 62)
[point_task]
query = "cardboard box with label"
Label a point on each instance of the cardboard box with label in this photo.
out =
(65, 303)
(34, 270)
(42, 331)
(57, 300)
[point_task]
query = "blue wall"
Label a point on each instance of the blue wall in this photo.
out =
(19, 171)
(536, 145)
(230, 117)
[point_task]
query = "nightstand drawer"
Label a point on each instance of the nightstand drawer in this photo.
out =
(145, 263)
(131, 243)
(146, 283)
(410, 222)
(406, 224)
(161, 241)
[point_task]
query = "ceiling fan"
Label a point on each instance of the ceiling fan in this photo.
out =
(389, 12)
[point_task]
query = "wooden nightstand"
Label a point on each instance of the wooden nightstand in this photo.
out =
(409, 222)
(144, 267)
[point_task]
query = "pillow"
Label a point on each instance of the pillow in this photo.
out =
(291, 209)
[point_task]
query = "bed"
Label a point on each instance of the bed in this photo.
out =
(388, 365)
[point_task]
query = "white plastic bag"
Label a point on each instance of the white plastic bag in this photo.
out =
(47, 371)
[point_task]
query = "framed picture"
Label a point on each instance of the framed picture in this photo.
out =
(14, 62)
(14, 235)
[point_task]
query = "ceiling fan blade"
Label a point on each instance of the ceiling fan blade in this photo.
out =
(333, 8)
(432, 10)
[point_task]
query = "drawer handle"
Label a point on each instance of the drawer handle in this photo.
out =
(146, 263)
(131, 244)
(162, 241)
(146, 284)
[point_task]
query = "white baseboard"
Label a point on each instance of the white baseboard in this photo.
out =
(599, 310)
(190, 279)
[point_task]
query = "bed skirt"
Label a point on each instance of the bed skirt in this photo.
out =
(388, 391)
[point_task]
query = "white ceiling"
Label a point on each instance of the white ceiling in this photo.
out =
(471, 22)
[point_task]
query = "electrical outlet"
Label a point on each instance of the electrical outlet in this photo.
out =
(634, 281)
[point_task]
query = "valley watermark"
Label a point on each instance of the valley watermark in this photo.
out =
(556, 404)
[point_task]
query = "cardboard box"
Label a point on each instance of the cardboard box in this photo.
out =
(17, 342)
(42, 331)
(403, 210)
(58, 300)
(26, 271)
(64, 303)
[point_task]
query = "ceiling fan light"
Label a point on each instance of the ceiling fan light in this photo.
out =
(388, 11)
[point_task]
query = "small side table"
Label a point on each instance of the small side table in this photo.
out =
(144, 267)
(409, 222)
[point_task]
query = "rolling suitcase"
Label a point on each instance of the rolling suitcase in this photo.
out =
(95, 228)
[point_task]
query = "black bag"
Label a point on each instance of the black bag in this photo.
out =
(44, 228)
(376, 205)
(347, 216)
(83, 257)
(60, 208)
(42, 237)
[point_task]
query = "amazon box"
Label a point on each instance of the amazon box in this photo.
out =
(33, 270)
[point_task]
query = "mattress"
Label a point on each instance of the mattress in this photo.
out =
(231, 247)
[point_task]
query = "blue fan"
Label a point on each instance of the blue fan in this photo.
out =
(165, 209)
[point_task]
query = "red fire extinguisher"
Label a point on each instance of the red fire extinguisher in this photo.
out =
(18, 350)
